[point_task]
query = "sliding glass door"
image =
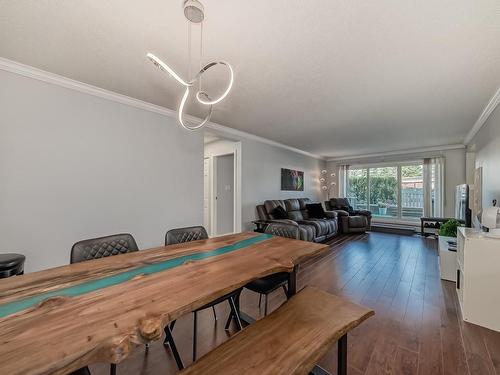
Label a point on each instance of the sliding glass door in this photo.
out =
(388, 191)
(383, 191)
(357, 188)
(412, 191)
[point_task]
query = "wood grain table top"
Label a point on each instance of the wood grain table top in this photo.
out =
(290, 341)
(58, 320)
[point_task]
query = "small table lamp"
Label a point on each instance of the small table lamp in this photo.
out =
(491, 218)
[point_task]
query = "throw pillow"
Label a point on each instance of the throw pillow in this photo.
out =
(315, 211)
(279, 213)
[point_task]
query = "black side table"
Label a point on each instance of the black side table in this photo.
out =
(11, 265)
(260, 225)
(435, 223)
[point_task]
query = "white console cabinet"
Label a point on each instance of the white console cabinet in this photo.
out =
(478, 278)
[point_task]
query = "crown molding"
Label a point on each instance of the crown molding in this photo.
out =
(241, 134)
(400, 152)
(55, 79)
(490, 107)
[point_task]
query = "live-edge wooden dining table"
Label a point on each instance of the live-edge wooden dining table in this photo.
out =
(58, 320)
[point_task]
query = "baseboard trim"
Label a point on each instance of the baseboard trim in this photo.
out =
(405, 230)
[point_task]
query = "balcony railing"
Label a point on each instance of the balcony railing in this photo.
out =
(412, 206)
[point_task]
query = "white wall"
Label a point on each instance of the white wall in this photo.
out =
(261, 175)
(487, 146)
(454, 171)
(455, 174)
(219, 147)
(74, 166)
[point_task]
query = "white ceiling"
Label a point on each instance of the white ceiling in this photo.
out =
(332, 77)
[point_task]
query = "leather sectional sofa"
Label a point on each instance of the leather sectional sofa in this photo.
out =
(314, 230)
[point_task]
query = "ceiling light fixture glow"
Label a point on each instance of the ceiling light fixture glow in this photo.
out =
(194, 12)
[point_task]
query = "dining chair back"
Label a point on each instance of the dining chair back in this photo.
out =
(187, 234)
(101, 247)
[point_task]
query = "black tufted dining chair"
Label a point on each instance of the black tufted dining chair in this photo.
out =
(101, 247)
(188, 234)
(11, 265)
(266, 285)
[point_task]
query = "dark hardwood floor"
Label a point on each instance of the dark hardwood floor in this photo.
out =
(417, 328)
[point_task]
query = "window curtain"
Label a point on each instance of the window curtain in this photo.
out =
(343, 180)
(434, 197)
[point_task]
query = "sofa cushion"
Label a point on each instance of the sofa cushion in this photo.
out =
(307, 232)
(292, 205)
(303, 202)
(320, 226)
(293, 209)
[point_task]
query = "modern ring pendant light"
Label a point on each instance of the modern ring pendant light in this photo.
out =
(194, 12)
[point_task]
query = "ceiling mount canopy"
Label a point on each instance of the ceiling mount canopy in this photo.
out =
(195, 13)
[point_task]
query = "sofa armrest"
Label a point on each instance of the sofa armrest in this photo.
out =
(283, 221)
(331, 214)
(341, 212)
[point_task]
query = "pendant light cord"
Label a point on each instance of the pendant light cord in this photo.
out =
(201, 52)
(189, 51)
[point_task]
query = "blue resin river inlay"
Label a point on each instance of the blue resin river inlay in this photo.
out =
(91, 286)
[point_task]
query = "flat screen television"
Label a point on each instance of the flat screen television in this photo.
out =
(462, 210)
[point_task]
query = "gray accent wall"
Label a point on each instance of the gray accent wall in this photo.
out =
(261, 176)
(486, 144)
(75, 166)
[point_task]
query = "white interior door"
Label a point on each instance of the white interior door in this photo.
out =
(224, 194)
(206, 195)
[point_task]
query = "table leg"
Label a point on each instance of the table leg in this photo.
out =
(247, 319)
(173, 348)
(292, 282)
(318, 370)
(342, 356)
(341, 360)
